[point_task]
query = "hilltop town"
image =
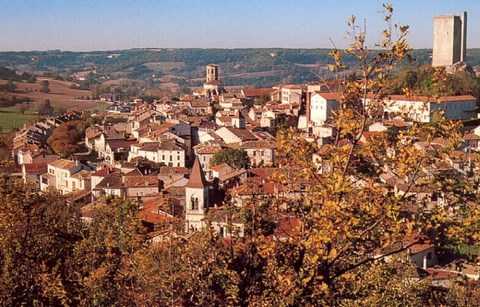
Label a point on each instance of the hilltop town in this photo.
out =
(337, 190)
(144, 151)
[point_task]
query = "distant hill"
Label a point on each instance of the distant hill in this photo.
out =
(260, 67)
(8, 74)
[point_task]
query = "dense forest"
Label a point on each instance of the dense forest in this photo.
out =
(260, 67)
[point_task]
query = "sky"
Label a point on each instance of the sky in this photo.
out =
(87, 25)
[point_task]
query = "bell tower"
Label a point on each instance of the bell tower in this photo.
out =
(211, 72)
(196, 198)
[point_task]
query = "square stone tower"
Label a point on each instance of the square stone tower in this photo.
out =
(449, 39)
(211, 72)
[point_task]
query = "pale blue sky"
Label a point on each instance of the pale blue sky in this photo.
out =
(82, 25)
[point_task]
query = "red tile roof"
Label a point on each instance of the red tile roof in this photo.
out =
(105, 171)
(330, 95)
(35, 167)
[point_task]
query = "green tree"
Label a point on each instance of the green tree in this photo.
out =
(32, 79)
(45, 86)
(235, 157)
(8, 87)
(45, 108)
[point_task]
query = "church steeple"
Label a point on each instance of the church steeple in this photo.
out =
(197, 179)
(196, 198)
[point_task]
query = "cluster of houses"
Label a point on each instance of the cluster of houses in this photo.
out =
(159, 154)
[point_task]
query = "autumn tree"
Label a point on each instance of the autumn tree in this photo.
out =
(235, 157)
(65, 138)
(37, 236)
(108, 258)
(345, 222)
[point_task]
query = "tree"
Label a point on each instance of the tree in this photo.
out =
(21, 107)
(65, 138)
(32, 79)
(345, 222)
(235, 157)
(45, 108)
(44, 86)
(37, 236)
(108, 258)
(8, 87)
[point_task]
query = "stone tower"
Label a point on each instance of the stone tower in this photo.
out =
(196, 198)
(211, 72)
(449, 39)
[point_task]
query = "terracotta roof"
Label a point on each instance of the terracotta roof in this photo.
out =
(152, 213)
(207, 149)
(105, 171)
(140, 181)
(243, 134)
(220, 166)
(169, 145)
(197, 179)
(63, 164)
(48, 176)
(431, 99)
(329, 95)
(83, 174)
(117, 144)
(288, 226)
(255, 92)
(112, 181)
(259, 144)
(35, 167)
(471, 137)
(168, 170)
(199, 104)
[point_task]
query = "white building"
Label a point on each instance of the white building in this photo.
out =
(422, 108)
(65, 176)
(166, 152)
(321, 106)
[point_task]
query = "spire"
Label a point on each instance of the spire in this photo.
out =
(197, 179)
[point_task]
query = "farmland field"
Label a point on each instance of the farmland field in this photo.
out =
(60, 96)
(10, 118)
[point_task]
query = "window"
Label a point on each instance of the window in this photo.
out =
(163, 157)
(171, 158)
(223, 231)
(194, 203)
(429, 256)
(178, 158)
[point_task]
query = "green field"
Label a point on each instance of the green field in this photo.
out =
(100, 107)
(11, 118)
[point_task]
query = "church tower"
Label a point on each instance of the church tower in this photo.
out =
(211, 72)
(196, 198)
